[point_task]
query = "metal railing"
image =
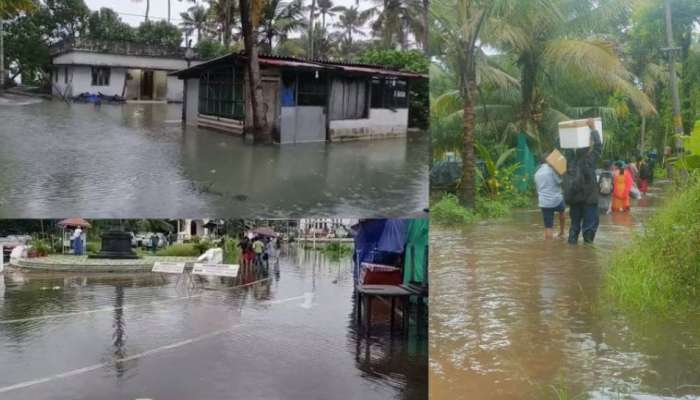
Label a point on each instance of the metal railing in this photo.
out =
(116, 47)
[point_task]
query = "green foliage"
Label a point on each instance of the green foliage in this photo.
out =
(202, 246)
(160, 33)
(336, 250)
(412, 61)
(180, 250)
(659, 271)
(208, 48)
(231, 250)
(448, 211)
(42, 247)
(93, 247)
(106, 24)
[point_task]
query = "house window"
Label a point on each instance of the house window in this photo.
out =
(221, 93)
(100, 76)
(348, 98)
(312, 89)
(389, 93)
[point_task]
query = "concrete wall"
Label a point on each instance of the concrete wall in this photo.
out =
(175, 89)
(382, 123)
(192, 101)
(82, 81)
(303, 124)
(114, 60)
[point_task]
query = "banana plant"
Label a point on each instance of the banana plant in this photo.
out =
(497, 173)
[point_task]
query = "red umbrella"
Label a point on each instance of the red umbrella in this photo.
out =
(265, 231)
(74, 222)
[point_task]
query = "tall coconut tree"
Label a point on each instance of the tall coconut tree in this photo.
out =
(351, 21)
(397, 20)
(277, 20)
(250, 18)
(196, 20)
(224, 13)
(325, 9)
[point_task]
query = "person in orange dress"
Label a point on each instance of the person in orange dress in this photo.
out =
(621, 190)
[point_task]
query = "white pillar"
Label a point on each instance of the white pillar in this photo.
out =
(2, 259)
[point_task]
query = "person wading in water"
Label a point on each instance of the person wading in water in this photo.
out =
(581, 188)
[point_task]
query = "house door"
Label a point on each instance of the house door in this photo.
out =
(271, 104)
(147, 85)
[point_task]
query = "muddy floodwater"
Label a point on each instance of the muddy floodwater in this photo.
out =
(515, 317)
(137, 160)
(282, 333)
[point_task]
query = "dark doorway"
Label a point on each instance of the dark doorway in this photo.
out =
(147, 85)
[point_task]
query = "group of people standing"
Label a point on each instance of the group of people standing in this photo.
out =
(258, 250)
(588, 191)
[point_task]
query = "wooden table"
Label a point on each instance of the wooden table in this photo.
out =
(393, 292)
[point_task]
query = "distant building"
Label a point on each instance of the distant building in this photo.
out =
(304, 100)
(131, 70)
(187, 229)
(325, 226)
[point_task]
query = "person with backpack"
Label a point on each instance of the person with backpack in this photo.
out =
(605, 187)
(550, 198)
(581, 188)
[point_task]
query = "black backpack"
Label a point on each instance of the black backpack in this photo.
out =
(574, 184)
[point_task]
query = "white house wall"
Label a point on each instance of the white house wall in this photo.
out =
(192, 101)
(175, 89)
(80, 81)
(382, 123)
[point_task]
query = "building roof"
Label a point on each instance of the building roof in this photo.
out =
(298, 63)
(126, 48)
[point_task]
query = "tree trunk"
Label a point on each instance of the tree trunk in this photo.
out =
(642, 134)
(426, 22)
(148, 8)
(169, 10)
(227, 23)
(260, 131)
(467, 190)
(310, 53)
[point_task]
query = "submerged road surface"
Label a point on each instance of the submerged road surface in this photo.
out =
(136, 160)
(515, 317)
(282, 333)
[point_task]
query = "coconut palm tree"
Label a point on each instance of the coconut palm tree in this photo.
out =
(551, 40)
(224, 13)
(398, 19)
(278, 19)
(325, 9)
(350, 22)
(196, 19)
(250, 16)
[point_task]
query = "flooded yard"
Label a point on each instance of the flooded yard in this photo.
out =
(286, 332)
(137, 160)
(515, 317)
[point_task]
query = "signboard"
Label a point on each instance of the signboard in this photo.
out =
(230, 270)
(169, 267)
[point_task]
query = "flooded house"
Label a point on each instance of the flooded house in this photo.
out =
(134, 71)
(304, 100)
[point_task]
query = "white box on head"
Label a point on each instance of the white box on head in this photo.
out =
(576, 134)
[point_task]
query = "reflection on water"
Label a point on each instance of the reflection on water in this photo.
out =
(73, 336)
(515, 317)
(136, 160)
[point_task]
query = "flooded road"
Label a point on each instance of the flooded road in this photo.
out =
(515, 317)
(283, 333)
(136, 160)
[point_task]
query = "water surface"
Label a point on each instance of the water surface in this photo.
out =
(137, 160)
(516, 317)
(289, 333)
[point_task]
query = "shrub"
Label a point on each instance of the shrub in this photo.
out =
(231, 250)
(448, 211)
(41, 247)
(179, 250)
(93, 247)
(660, 270)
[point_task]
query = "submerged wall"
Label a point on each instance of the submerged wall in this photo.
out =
(381, 124)
(80, 81)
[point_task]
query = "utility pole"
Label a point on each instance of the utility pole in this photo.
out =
(671, 52)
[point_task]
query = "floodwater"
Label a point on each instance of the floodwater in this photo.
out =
(137, 160)
(287, 332)
(515, 317)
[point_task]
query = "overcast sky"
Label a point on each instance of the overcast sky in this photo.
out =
(133, 11)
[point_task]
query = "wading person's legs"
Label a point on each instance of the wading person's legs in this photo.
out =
(576, 214)
(548, 217)
(590, 223)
